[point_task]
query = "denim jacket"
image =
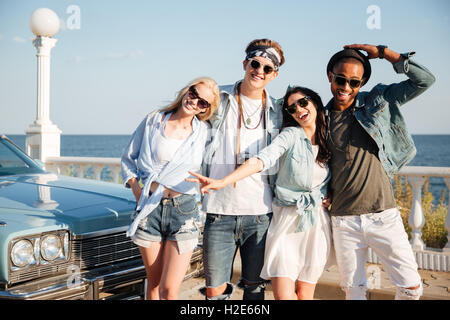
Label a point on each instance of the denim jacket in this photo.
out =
(273, 116)
(138, 161)
(295, 172)
(378, 112)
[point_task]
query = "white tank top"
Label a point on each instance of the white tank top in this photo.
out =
(166, 147)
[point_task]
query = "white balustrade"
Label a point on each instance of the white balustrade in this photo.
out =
(82, 165)
(416, 218)
(416, 177)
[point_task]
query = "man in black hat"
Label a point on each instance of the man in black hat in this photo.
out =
(369, 143)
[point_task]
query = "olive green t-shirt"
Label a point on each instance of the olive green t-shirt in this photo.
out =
(359, 183)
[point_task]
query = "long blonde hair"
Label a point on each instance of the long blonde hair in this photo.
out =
(210, 83)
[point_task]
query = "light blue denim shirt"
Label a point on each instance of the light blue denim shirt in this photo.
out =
(138, 158)
(273, 117)
(293, 185)
(378, 112)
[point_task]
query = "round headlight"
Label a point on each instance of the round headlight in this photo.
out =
(22, 253)
(50, 247)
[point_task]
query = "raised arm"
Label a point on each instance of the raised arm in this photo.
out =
(419, 77)
(265, 159)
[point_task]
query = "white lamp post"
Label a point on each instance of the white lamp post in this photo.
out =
(43, 137)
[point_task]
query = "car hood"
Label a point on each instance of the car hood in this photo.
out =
(43, 202)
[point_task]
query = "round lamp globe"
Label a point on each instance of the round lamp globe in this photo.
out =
(44, 22)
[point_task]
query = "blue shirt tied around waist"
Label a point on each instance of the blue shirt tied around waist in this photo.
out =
(137, 161)
(293, 186)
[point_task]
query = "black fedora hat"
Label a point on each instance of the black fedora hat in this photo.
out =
(351, 53)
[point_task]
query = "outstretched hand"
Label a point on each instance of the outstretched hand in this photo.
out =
(372, 51)
(206, 183)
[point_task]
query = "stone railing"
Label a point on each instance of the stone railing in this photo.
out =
(108, 169)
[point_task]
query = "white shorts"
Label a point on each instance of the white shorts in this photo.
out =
(385, 234)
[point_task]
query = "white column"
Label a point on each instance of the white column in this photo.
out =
(416, 218)
(115, 171)
(447, 219)
(97, 168)
(43, 137)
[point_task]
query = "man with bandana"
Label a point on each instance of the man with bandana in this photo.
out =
(238, 215)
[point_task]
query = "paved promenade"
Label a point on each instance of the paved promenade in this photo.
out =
(436, 286)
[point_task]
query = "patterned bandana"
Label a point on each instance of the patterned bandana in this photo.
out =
(265, 52)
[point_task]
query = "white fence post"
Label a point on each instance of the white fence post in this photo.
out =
(416, 218)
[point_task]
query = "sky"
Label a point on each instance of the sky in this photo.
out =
(126, 58)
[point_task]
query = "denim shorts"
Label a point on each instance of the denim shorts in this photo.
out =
(223, 235)
(174, 219)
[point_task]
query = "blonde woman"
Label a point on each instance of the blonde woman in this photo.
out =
(166, 145)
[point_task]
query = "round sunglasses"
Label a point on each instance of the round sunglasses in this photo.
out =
(302, 102)
(341, 81)
(201, 103)
(255, 64)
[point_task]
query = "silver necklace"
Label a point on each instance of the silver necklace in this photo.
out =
(248, 116)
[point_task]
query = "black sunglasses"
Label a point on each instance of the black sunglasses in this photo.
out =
(341, 81)
(255, 64)
(302, 102)
(201, 103)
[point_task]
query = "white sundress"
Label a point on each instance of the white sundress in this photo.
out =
(304, 255)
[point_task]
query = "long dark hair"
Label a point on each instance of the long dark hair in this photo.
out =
(321, 126)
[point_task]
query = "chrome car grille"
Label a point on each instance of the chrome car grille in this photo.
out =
(101, 250)
(86, 253)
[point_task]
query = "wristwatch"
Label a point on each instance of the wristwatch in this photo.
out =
(381, 51)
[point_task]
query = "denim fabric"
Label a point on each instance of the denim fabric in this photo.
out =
(273, 116)
(378, 111)
(223, 235)
(294, 180)
(226, 295)
(138, 159)
(173, 219)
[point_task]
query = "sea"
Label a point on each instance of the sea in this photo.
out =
(432, 151)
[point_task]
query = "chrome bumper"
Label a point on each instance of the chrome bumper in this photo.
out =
(91, 285)
(125, 281)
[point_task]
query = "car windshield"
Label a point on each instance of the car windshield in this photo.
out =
(15, 161)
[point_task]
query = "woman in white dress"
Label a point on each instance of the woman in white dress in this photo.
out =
(299, 242)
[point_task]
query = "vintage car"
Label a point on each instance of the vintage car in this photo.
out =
(63, 237)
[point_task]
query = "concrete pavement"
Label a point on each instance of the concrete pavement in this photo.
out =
(436, 285)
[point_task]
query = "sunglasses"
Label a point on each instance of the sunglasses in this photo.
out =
(255, 64)
(201, 103)
(341, 81)
(302, 102)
